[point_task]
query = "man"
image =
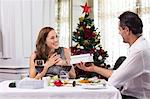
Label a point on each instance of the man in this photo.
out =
(134, 73)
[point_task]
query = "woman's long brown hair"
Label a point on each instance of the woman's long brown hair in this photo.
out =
(42, 49)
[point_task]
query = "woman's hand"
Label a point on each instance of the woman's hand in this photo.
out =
(61, 62)
(52, 60)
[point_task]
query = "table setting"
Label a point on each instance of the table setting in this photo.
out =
(56, 88)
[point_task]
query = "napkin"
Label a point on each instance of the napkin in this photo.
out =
(30, 83)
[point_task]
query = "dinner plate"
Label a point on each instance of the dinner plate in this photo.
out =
(67, 68)
(53, 69)
(101, 86)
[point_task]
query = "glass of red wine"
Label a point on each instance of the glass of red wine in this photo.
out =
(39, 65)
(64, 72)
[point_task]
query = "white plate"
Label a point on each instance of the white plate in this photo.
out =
(101, 86)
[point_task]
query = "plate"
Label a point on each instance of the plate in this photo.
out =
(53, 69)
(67, 68)
(101, 86)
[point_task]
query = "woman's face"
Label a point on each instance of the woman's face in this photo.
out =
(52, 40)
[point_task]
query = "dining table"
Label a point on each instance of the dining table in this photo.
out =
(61, 92)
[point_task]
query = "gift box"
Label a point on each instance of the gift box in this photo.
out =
(30, 83)
(81, 58)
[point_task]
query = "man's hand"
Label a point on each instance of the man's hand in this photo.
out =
(83, 67)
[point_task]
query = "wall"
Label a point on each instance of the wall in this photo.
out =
(0, 34)
(0, 44)
(21, 20)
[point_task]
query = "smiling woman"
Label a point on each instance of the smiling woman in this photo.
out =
(53, 57)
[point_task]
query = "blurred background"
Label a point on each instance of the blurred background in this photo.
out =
(21, 20)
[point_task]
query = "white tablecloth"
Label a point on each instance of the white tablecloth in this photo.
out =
(58, 93)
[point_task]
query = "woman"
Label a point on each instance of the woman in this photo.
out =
(46, 46)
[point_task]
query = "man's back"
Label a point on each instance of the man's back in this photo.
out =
(134, 72)
(139, 86)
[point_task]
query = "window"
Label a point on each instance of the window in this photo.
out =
(106, 15)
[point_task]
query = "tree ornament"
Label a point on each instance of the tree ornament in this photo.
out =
(88, 26)
(86, 42)
(86, 8)
(81, 28)
(81, 19)
(78, 46)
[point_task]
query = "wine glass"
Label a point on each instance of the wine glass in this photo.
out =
(39, 65)
(63, 75)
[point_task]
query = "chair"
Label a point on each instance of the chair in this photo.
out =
(119, 62)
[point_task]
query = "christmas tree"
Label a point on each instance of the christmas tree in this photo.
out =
(86, 39)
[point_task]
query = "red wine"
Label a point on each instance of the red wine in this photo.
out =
(39, 68)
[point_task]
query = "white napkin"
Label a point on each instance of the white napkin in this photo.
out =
(30, 83)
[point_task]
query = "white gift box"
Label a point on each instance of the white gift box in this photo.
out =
(81, 58)
(30, 83)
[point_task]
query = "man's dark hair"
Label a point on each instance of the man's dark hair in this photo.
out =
(132, 21)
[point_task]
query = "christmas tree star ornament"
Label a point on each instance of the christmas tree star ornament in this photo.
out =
(86, 8)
